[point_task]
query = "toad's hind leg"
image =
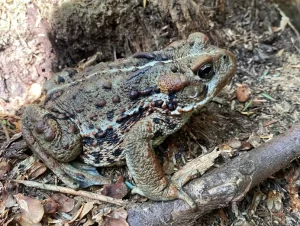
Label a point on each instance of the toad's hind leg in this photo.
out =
(56, 142)
(143, 164)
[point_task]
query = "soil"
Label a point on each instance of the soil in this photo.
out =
(39, 38)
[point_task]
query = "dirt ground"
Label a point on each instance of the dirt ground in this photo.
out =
(39, 38)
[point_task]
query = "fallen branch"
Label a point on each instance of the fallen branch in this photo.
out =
(65, 190)
(224, 185)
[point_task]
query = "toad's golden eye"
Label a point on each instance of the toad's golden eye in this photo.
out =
(206, 71)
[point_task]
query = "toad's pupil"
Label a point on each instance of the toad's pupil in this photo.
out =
(206, 71)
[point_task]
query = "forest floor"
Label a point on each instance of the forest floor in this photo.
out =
(264, 39)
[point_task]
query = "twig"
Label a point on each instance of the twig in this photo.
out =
(86, 194)
(288, 22)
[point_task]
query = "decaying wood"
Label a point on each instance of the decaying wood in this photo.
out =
(222, 186)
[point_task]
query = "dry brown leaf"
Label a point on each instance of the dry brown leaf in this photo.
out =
(119, 213)
(32, 210)
(7, 198)
(76, 216)
(116, 218)
(117, 190)
(86, 209)
(99, 217)
(50, 205)
(36, 170)
(110, 221)
(4, 168)
(66, 204)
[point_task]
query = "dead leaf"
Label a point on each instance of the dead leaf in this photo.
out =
(8, 199)
(86, 209)
(99, 217)
(117, 190)
(66, 204)
(36, 170)
(109, 221)
(76, 216)
(50, 205)
(4, 168)
(32, 210)
(119, 213)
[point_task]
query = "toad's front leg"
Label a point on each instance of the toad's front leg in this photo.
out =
(143, 164)
(56, 142)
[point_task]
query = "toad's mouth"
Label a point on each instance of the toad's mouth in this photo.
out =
(196, 92)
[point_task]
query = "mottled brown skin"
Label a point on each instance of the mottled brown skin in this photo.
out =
(120, 110)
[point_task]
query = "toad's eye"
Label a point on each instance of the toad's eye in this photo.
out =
(206, 71)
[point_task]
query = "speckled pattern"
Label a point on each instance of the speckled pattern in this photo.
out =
(120, 110)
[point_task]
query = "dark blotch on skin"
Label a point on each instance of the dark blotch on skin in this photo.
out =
(60, 79)
(109, 136)
(117, 152)
(157, 134)
(158, 103)
(106, 85)
(134, 95)
(110, 160)
(191, 43)
(110, 115)
(146, 91)
(70, 115)
(116, 99)
(100, 134)
(157, 89)
(172, 106)
(54, 95)
(156, 120)
(174, 68)
(87, 141)
(146, 55)
(100, 103)
(163, 57)
(171, 125)
(73, 129)
(121, 118)
(79, 110)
